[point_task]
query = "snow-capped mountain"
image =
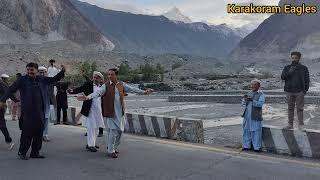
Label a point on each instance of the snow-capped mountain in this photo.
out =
(176, 15)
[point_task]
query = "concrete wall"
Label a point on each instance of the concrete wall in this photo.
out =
(291, 142)
(187, 130)
(235, 99)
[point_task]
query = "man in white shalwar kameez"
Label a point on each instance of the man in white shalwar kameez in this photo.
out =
(92, 112)
(113, 92)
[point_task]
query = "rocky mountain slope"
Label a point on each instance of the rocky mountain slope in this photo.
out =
(280, 34)
(145, 34)
(41, 21)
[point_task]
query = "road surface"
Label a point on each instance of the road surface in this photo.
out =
(145, 158)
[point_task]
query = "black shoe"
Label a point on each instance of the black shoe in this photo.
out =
(97, 147)
(246, 149)
(112, 155)
(22, 157)
(57, 123)
(100, 135)
(86, 134)
(92, 149)
(37, 156)
(66, 123)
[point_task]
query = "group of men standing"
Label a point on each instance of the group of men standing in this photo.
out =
(103, 104)
(297, 80)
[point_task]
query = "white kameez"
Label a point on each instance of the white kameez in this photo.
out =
(119, 120)
(115, 125)
(94, 119)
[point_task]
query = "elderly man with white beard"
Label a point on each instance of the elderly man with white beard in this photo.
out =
(91, 110)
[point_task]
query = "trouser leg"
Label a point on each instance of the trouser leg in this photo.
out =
(118, 141)
(112, 138)
(25, 141)
(36, 142)
(64, 110)
(6, 134)
(46, 127)
(256, 137)
(291, 99)
(58, 114)
(246, 139)
(3, 126)
(92, 136)
(300, 107)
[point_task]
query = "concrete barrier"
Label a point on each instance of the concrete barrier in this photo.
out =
(235, 99)
(229, 92)
(187, 130)
(291, 142)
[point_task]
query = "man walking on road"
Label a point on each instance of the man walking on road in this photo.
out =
(32, 94)
(297, 80)
(113, 108)
(91, 110)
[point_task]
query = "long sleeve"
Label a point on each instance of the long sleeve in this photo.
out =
(11, 90)
(260, 102)
(285, 73)
(100, 92)
(131, 89)
(79, 89)
(307, 79)
(56, 78)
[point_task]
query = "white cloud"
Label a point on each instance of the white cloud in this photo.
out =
(211, 11)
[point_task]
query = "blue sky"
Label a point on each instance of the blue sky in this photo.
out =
(210, 11)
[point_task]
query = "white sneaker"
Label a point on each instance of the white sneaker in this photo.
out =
(46, 138)
(10, 146)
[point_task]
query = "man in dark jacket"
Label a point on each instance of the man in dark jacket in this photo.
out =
(62, 101)
(296, 77)
(32, 94)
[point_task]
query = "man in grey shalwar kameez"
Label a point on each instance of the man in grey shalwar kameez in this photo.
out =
(113, 107)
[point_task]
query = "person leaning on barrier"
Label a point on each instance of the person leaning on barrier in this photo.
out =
(297, 80)
(252, 118)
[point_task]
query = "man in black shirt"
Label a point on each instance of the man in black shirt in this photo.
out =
(296, 77)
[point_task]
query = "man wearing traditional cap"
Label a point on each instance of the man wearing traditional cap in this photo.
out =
(3, 127)
(113, 108)
(252, 118)
(91, 110)
(43, 73)
(33, 94)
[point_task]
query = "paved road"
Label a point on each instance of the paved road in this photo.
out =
(144, 158)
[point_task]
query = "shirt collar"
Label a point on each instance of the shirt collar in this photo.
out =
(112, 82)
